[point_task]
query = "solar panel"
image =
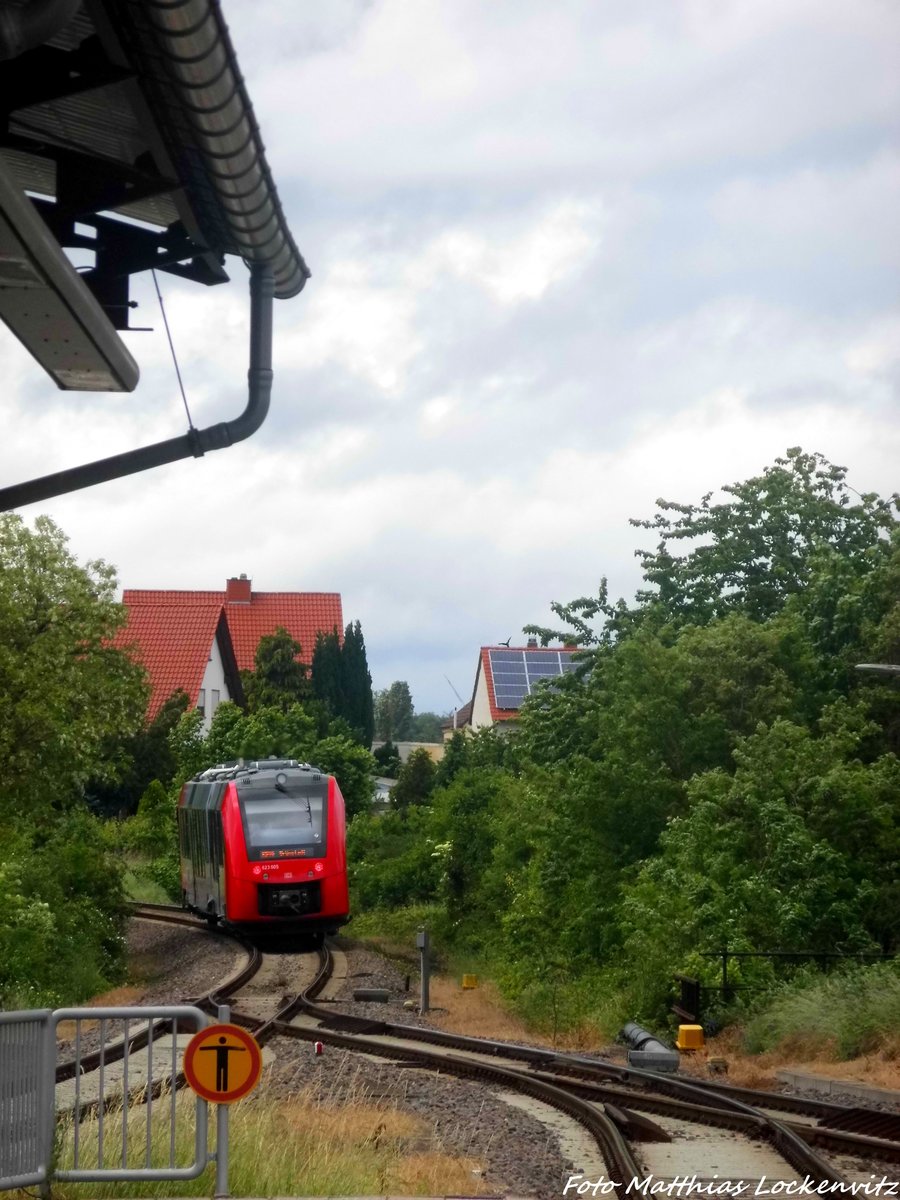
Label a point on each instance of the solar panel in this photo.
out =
(515, 672)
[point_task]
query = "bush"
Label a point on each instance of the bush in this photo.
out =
(166, 871)
(392, 860)
(62, 914)
(394, 929)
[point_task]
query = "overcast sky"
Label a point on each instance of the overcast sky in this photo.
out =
(567, 258)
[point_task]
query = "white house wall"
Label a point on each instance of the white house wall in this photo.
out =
(214, 688)
(481, 705)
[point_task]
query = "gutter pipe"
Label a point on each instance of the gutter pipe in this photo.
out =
(195, 42)
(196, 442)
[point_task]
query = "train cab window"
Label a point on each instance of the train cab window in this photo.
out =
(279, 822)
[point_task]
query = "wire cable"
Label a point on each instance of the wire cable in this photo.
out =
(162, 309)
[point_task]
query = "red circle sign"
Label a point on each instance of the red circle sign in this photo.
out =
(222, 1063)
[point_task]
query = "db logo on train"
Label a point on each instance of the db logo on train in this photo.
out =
(222, 1063)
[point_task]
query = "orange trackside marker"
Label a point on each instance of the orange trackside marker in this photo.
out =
(222, 1063)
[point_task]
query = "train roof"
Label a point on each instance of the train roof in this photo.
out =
(267, 766)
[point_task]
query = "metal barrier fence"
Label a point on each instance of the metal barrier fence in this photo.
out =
(26, 1095)
(117, 1112)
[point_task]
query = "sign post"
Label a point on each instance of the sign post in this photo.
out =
(222, 1063)
(423, 944)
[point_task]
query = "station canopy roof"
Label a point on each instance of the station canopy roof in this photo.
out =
(129, 134)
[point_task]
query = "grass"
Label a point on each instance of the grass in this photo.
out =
(839, 1016)
(298, 1145)
(393, 931)
(140, 887)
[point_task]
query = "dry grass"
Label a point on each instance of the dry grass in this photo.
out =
(759, 1070)
(120, 997)
(294, 1145)
(480, 1012)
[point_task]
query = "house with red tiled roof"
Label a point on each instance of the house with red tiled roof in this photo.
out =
(200, 640)
(507, 675)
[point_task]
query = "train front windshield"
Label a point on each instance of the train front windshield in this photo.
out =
(282, 825)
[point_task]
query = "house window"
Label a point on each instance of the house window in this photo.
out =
(201, 702)
(213, 701)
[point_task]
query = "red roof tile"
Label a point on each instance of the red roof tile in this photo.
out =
(173, 642)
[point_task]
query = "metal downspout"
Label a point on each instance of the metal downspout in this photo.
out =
(195, 442)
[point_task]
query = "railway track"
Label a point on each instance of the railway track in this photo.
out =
(609, 1101)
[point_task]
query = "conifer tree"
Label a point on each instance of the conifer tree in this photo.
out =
(327, 672)
(356, 685)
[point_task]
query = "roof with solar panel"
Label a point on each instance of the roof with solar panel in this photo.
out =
(508, 675)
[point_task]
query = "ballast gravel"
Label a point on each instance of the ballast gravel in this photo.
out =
(179, 962)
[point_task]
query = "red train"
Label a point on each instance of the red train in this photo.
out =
(263, 844)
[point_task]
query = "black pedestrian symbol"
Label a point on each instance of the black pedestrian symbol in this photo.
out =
(221, 1052)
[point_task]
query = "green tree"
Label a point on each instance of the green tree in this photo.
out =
(153, 828)
(279, 678)
(388, 760)
(426, 727)
(464, 823)
(415, 782)
(354, 769)
(392, 860)
(67, 694)
(787, 853)
(188, 746)
(753, 550)
(456, 758)
(394, 713)
(146, 756)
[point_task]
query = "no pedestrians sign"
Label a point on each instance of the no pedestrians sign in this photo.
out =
(222, 1063)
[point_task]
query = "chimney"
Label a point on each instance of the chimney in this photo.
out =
(532, 643)
(237, 591)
